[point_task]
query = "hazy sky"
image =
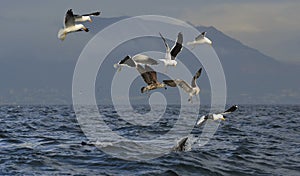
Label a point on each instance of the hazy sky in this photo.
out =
(269, 26)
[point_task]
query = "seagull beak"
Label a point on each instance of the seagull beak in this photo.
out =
(223, 118)
(90, 20)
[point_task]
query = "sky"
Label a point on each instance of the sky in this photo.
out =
(272, 27)
(34, 62)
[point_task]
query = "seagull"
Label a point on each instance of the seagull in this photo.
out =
(171, 54)
(181, 145)
(192, 89)
(147, 73)
(219, 116)
(70, 26)
(150, 77)
(131, 61)
(86, 17)
(200, 39)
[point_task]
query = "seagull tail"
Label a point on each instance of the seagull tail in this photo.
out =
(61, 34)
(189, 43)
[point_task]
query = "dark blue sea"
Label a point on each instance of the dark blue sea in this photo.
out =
(46, 140)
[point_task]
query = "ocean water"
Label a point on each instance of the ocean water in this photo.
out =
(46, 140)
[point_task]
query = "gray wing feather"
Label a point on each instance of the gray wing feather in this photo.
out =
(185, 86)
(128, 61)
(196, 76)
(165, 42)
(143, 59)
(201, 36)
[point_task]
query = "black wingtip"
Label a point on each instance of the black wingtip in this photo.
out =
(232, 108)
(70, 11)
(96, 13)
(197, 75)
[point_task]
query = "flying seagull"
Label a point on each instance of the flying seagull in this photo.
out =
(192, 89)
(150, 77)
(147, 73)
(171, 54)
(131, 61)
(200, 39)
(86, 17)
(70, 26)
(218, 116)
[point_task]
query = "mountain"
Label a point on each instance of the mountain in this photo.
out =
(253, 77)
(41, 71)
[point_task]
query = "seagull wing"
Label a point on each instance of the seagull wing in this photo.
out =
(177, 47)
(230, 110)
(178, 82)
(165, 42)
(152, 73)
(201, 120)
(146, 75)
(201, 36)
(69, 18)
(196, 76)
(128, 61)
(170, 83)
(92, 14)
(143, 59)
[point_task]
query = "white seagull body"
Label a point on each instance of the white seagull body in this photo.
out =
(138, 59)
(86, 17)
(201, 39)
(70, 26)
(192, 89)
(171, 54)
(219, 116)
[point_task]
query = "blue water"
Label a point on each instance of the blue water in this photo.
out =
(254, 140)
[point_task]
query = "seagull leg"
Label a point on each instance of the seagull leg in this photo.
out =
(165, 69)
(197, 98)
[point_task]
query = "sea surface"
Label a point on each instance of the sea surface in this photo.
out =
(46, 140)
